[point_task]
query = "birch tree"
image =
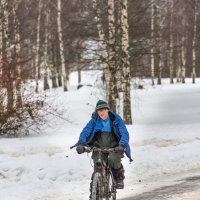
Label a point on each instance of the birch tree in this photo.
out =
(194, 43)
(171, 42)
(160, 48)
(111, 55)
(112, 64)
(103, 45)
(1, 75)
(152, 41)
(54, 70)
(46, 63)
(38, 45)
(17, 58)
(7, 57)
(126, 63)
(62, 55)
(1, 62)
(178, 59)
(183, 53)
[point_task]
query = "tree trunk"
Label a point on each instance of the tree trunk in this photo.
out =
(194, 44)
(160, 47)
(1, 77)
(111, 55)
(171, 63)
(178, 70)
(46, 68)
(6, 54)
(54, 72)
(125, 63)
(62, 55)
(79, 73)
(183, 51)
(152, 41)
(38, 46)
(119, 71)
(178, 60)
(59, 69)
(1, 65)
(103, 45)
(17, 58)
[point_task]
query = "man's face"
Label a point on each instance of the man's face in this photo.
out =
(103, 113)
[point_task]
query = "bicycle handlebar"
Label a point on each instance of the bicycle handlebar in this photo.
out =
(95, 149)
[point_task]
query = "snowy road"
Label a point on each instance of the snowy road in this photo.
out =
(183, 189)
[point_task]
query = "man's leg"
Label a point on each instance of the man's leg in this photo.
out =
(114, 161)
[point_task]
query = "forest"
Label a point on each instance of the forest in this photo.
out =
(44, 41)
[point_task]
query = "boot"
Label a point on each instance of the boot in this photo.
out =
(119, 177)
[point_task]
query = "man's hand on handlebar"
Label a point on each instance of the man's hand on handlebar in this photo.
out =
(119, 149)
(80, 148)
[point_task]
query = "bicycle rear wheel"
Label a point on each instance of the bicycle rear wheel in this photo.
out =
(96, 192)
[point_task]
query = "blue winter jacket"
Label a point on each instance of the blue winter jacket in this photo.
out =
(117, 125)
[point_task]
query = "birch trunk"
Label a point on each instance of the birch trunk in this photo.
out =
(54, 76)
(194, 44)
(62, 55)
(111, 55)
(160, 64)
(160, 47)
(178, 70)
(7, 57)
(59, 69)
(79, 72)
(54, 72)
(1, 76)
(178, 60)
(119, 71)
(46, 68)
(183, 52)
(125, 63)
(18, 67)
(171, 63)
(104, 48)
(152, 41)
(38, 45)
(1, 65)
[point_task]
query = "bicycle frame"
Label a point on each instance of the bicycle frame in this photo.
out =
(104, 174)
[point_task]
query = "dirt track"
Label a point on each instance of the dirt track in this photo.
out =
(183, 189)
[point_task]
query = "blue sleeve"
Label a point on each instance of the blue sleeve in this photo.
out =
(123, 133)
(86, 131)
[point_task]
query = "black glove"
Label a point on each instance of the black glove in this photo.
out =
(119, 149)
(80, 149)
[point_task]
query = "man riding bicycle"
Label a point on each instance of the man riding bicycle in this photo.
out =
(106, 129)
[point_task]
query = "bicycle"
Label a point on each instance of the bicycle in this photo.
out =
(103, 183)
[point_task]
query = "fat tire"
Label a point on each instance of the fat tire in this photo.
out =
(96, 192)
(111, 195)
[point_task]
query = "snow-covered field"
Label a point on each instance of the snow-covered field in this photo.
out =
(165, 141)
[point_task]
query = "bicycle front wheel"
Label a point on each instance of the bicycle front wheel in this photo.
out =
(96, 192)
(110, 188)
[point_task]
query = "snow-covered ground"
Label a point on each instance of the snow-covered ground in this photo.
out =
(165, 141)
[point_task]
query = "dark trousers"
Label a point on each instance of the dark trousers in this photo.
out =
(113, 159)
